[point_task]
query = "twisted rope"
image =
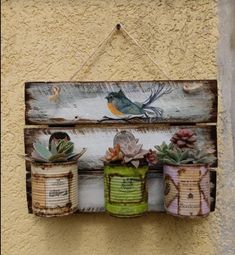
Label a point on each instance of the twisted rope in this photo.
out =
(121, 28)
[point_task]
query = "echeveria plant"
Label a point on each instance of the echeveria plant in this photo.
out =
(59, 150)
(128, 150)
(183, 150)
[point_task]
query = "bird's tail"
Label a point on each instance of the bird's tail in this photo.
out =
(161, 90)
(156, 110)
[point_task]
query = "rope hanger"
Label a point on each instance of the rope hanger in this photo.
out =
(120, 27)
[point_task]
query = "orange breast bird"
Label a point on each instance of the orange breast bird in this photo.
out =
(120, 105)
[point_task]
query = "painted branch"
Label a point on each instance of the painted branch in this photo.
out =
(70, 103)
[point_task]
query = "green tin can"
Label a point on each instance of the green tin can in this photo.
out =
(125, 190)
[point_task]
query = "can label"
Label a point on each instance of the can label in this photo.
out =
(125, 189)
(187, 190)
(57, 192)
(50, 191)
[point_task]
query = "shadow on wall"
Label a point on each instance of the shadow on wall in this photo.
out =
(122, 236)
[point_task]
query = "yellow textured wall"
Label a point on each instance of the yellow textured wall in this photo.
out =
(48, 41)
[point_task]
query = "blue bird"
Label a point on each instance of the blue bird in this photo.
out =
(119, 105)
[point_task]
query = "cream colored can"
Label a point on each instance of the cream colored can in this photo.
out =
(54, 188)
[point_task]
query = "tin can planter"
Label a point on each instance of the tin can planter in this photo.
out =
(187, 190)
(125, 190)
(54, 188)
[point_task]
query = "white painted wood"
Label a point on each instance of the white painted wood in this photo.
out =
(85, 102)
(97, 140)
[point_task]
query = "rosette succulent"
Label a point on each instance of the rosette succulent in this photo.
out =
(184, 138)
(113, 154)
(127, 150)
(183, 150)
(133, 153)
(60, 151)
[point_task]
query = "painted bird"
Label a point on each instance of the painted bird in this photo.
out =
(119, 105)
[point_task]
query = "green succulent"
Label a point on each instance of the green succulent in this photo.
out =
(202, 156)
(170, 154)
(59, 152)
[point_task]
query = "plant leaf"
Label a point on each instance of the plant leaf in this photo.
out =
(53, 147)
(42, 151)
(69, 148)
(135, 163)
(170, 162)
(76, 156)
(58, 157)
(187, 161)
(184, 155)
(173, 154)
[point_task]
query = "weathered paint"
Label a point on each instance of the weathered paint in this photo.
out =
(97, 140)
(87, 102)
(49, 40)
(91, 191)
(126, 193)
(187, 190)
(54, 189)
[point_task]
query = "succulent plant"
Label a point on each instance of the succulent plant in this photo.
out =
(168, 154)
(133, 152)
(57, 136)
(172, 155)
(124, 137)
(202, 156)
(113, 154)
(60, 151)
(127, 150)
(184, 138)
(151, 157)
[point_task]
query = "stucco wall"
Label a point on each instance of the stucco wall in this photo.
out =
(49, 40)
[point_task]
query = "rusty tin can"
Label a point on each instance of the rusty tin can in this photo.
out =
(125, 190)
(187, 190)
(54, 188)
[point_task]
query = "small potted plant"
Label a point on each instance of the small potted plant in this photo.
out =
(186, 175)
(54, 176)
(125, 169)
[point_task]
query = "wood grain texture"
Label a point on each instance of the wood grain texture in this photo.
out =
(87, 102)
(97, 140)
(213, 180)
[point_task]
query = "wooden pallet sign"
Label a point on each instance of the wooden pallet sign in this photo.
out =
(97, 140)
(70, 103)
(91, 113)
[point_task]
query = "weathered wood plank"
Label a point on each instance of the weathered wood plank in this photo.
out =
(138, 102)
(97, 140)
(213, 178)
